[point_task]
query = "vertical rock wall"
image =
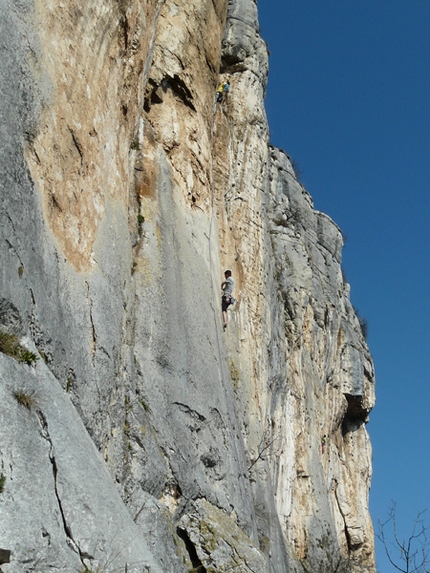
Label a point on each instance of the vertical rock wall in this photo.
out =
(144, 438)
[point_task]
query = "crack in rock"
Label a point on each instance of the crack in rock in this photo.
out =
(67, 528)
(192, 551)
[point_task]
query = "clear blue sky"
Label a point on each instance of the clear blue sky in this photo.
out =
(349, 100)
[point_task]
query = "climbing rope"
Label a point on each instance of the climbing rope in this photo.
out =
(212, 182)
(224, 378)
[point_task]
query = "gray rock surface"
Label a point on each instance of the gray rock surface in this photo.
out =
(144, 438)
(59, 504)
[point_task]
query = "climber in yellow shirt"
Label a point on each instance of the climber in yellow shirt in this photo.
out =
(221, 90)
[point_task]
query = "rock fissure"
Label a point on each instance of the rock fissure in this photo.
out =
(131, 168)
(21, 265)
(239, 559)
(93, 329)
(187, 410)
(191, 550)
(66, 526)
(77, 144)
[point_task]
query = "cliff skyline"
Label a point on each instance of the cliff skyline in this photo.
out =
(160, 440)
(348, 99)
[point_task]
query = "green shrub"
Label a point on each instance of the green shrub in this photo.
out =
(144, 405)
(9, 345)
(140, 221)
(135, 144)
(2, 482)
(234, 373)
(26, 399)
(296, 168)
(363, 323)
(26, 356)
(364, 326)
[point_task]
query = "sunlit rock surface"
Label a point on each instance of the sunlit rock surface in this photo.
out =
(144, 438)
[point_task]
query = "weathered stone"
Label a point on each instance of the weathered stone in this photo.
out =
(243, 47)
(145, 438)
(59, 508)
(216, 543)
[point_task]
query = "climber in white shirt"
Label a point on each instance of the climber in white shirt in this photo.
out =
(226, 301)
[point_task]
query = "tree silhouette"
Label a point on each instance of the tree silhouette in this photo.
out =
(410, 555)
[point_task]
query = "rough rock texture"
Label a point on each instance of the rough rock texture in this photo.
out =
(144, 438)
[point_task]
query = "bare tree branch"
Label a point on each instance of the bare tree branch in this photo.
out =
(264, 445)
(410, 555)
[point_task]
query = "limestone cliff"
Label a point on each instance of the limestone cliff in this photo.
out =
(136, 435)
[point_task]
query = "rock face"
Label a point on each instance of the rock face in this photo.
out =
(136, 435)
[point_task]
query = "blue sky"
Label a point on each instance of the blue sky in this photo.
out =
(349, 100)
